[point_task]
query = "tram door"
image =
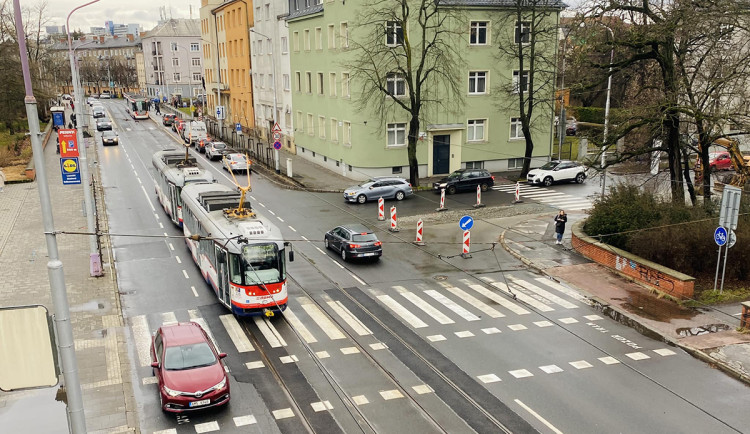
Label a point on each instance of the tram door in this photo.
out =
(222, 270)
(173, 203)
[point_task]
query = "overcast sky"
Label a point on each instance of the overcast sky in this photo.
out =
(143, 12)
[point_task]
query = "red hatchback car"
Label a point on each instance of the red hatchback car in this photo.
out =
(189, 369)
(719, 160)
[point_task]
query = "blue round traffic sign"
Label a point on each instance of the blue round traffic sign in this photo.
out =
(466, 223)
(277, 145)
(720, 236)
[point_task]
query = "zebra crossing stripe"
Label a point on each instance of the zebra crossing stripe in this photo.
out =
(450, 304)
(544, 194)
(497, 298)
(567, 291)
(401, 311)
(297, 324)
(239, 338)
(322, 320)
(521, 296)
(168, 318)
(424, 306)
(544, 293)
(350, 319)
(196, 318)
(142, 337)
(463, 295)
(269, 332)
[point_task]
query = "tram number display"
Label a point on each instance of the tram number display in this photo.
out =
(259, 253)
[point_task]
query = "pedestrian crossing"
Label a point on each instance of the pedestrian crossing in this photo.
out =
(548, 196)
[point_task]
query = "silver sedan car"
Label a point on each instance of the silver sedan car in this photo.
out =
(236, 162)
(387, 187)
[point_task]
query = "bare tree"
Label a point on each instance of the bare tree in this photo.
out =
(532, 48)
(406, 61)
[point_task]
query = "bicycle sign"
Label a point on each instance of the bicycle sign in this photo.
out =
(720, 236)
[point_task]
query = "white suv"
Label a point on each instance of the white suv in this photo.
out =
(556, 171)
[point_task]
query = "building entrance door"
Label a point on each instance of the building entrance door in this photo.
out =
(441, 152)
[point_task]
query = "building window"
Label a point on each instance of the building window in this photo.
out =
(268, 11)
(345, 84)
(286, 80)
(478, 34)
(318, 38)
(395, 84)
(176, 76)
(300, 124)
(196, 76)
(322, 127)
(174, 46)
(347, 133)
(475, 130)
(298, 81)
(295, 41)
(308, 84)
(284, 45)
(195, 61)
(396, 170)
(515, 163)
(331, 36)
(307, 39)
(262, 81)
(332, 83)
(320, 83)
(475, 164)
(477, 82)
(523, 30)
(515, 128)
(310, 127)
(334, 130)
(195, 46)
(175, 61)
(344, 35)
(523, 86)
(394, 33)
(397, 134)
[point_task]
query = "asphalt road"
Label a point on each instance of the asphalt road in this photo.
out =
(420, 341)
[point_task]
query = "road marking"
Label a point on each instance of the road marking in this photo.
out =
(378, 346)
(161, 225)
(349, 350)
(551, 369)
(171, 247)
(318, 248)
(255, 365)
(609, 360)
(139, 180)
(521, 373)
(142, 337)
(361, 282)
(272, 213)
(497, 298)
(196, 318)
(207, 427)
(664, 352)
(491, 331)
(638, 356)
(401, 311)
(544, 293)
(244, 420)
(347, 316)
(297, 325)
(270, 333)
(489, 378)
(422, 389)
(288, 359)
(240, 340)
(322, 354)
(521, 295)
(293, 230)
(464, 334)
(184, 273)
(517, 327)
(280, 219)
(321, 406)
(360, 400)
(283, 413)
(194, 291)
(568, 320)
(149, 380)
(261, 204)
(450, 304)
(538, 417)
(436, 338)
(544, 323)
(391, 394)
(148, 198)
(424, 306)
(168, 318)
(336, 262)
(581, 364)
(463, 295)
(322, 320)
(179, 261)
(304, 238)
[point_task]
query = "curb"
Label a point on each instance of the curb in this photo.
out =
(626, 318)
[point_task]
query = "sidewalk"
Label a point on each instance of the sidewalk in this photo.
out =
(710, 336)
(98, 330)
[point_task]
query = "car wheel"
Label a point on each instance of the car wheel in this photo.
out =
(343, 253)
(547, 181)
(361, 198)
(400, 195)
(325, 242)
(580, 178)
(451, 189)
(484, 186)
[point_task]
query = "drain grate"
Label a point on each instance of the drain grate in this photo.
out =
(440, 277)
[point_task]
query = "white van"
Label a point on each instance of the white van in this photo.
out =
(195, 132)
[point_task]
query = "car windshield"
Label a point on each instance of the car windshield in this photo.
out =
(364, 237)
(550, 166)
(188, 356)
(237, 157)
(455, 175)
(109, 134)
(261, 263)
(367, 183)
(220, 145)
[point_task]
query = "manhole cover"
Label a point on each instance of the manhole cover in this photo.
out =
(440, 277)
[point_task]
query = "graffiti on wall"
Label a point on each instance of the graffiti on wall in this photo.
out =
(653, 277)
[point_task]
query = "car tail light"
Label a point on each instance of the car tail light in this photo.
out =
(378, 243)
(354, 246)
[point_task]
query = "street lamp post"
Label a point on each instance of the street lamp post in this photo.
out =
(95, 261)
(606, 111)
(275, 90)
(562, 120)
(82, 121)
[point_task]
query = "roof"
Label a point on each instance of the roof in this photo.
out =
(556, 4)
(183, 333)
(175, 27)
(356, 228)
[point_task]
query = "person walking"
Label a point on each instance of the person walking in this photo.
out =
(560, 220)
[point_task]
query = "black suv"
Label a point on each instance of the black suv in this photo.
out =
(465, 180)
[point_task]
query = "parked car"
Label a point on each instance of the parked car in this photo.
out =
(94, 95)
(178, 126)
(557, 171)
(719, 161)
(236, 162)
(110, 137)
(91, 100)
(465, 180)
(103, 124)
(214, 150)
(354, 241)
(168, 119)
(97, 111)
(387, 187)
(105, 95)
(201, 144)
(188, 368)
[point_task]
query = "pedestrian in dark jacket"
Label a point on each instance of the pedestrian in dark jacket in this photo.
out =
(560, 220)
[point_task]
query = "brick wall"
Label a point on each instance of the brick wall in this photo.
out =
(653, 275)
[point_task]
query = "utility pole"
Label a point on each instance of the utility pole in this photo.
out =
(64, 329)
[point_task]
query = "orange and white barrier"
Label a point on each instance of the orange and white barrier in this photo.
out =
(442, 201)
(420, 233)
(381, 209)
(394, 220)
(479, 203)
(467, 244)
(518, 191)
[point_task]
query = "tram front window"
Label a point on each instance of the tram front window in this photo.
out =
(260, 264)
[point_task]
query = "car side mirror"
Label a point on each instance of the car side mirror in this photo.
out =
(222, 355)
(155, 365)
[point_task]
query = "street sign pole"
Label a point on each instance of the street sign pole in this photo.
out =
(718, 261)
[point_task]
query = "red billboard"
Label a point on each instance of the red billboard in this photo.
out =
(68, 143)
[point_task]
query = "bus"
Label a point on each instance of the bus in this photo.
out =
(173, 172)
(137, 106)
(243, 258)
